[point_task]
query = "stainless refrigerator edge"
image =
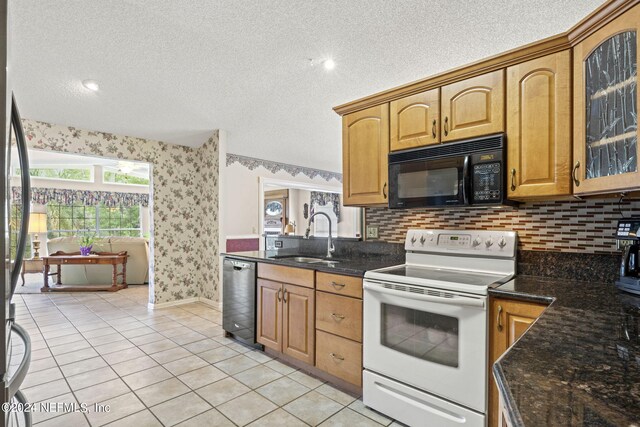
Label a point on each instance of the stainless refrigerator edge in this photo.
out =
(15, 352)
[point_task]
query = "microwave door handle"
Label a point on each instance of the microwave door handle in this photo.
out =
(465, 180)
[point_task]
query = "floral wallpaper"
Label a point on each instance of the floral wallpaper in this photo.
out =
(42, 196)
(273, 167)
(183, 203)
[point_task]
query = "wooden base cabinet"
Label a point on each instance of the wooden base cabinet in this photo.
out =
(298, 323)
(339, 357)
(508, 320)
(539, 127)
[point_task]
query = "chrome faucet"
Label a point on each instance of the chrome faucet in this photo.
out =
(330, 248)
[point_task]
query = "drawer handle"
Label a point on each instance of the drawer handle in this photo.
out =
(337, 317)
(338, 285)
(336, 356)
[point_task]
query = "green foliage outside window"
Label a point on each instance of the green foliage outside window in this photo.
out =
(78, 174)
(123, 178)
(101, 221)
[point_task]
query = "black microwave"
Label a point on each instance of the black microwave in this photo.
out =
(471, 172)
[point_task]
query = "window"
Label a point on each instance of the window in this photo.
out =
(71, 220)
(68, 174)
(123, 178)
(16, 222)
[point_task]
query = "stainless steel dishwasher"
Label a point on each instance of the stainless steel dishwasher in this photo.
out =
(239, 300)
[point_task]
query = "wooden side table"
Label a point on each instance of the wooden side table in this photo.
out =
(31, 266)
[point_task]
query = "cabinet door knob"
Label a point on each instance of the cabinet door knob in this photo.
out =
(433, 129)
(446, 126)
(576, 181)
(513, 179)
(499, 318)
(336, 356)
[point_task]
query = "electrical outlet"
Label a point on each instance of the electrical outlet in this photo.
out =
(372, 231)
(279, 244)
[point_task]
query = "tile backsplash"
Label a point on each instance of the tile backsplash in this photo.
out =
(585, 226)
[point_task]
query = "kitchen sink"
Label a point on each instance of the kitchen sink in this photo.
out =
(306, 259)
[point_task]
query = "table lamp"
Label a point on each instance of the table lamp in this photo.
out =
(37, 224)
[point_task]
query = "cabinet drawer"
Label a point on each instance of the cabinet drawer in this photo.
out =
(279, 273)
(337, 284)
(339, 357)
(339, 315)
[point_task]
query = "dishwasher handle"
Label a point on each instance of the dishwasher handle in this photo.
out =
(239, 265)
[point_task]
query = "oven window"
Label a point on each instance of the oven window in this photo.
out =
(427, 336)
(428, 183)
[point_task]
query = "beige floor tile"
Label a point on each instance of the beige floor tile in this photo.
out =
(46, 391)
(99, 332)
(257, 376)
(202, 345)
(105, 339)
(313, 408)
(147, 377)
(170, 355)
(68, 348)
(75, 419)
(146, 339)
(258, 356)
(139, 419)
(87, 379)
(280, 367)
(222, 391)
(182, 366)
(39, 365)
(278, 418)
(134, 365)
(162, 391)
(83, 366)
(218, 354)
(236, 364)
(180, 409)
(84, 354)
(55, 408)
(210, 418)
(99, 393)
(350, 418)
(113, 347)
(41, 377)
(157, 346)
(119, 407)
(283, 391)
(201, 377)
(123, 356)
(359, 407)
(65, 339)
(246, 408)
(305, 379)
(187, 338)
(335, 394)
(137, 332)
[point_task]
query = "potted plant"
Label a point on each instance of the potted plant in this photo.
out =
(86, 244)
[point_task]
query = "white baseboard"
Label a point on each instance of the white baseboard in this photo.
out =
(203, 300)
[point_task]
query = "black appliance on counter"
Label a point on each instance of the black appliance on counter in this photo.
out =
(239, 300)
(465, 173)
(628, 235)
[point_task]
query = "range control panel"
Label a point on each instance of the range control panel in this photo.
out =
(464, 242)
(628, 229)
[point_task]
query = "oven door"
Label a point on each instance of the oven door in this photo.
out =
(429, 182)
(433, 340)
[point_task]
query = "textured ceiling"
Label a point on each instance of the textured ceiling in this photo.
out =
(176, 70)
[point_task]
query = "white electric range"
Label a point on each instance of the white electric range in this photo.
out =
(425, 326)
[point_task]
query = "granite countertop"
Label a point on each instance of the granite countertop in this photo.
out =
(349, 265)
(579, 363)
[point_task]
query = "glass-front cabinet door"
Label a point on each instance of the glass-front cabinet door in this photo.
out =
(606, 108)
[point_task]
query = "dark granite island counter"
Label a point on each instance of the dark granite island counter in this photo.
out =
(579, 363)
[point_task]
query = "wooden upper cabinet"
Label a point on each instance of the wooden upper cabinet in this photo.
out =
(415, 120)
(365, 147)
(298, 329)
(508, 320)
(605, 108)
(539, 127)
(473, 107)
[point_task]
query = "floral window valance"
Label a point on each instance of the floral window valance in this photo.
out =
(42, 196)
(322, 199)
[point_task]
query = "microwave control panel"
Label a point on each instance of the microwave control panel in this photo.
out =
(487, 182)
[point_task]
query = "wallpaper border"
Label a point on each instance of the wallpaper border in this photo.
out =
(252, 163)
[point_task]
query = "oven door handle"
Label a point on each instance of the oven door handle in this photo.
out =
(465, 180)
(458, 300)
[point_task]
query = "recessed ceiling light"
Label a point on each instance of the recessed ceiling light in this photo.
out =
(92, 85)
(329, 64)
